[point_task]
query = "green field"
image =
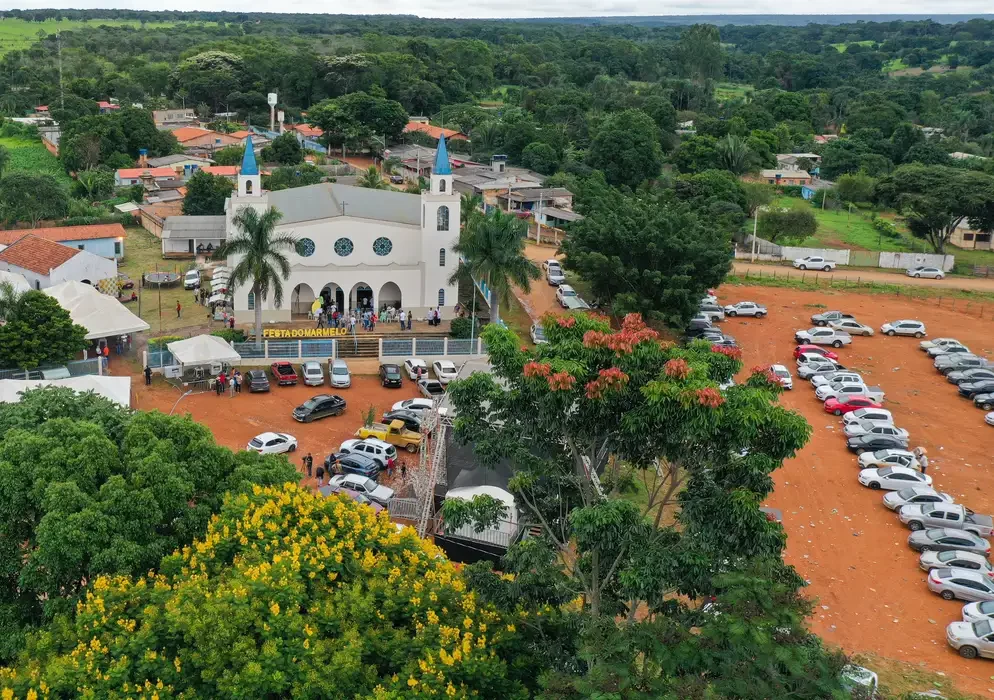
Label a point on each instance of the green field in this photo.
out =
(894, 64)
(20, 34)
(843, 46)
(26, 154)
(730, 91)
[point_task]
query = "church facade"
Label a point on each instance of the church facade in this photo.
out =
(357, 247)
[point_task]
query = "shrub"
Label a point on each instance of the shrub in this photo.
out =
(461, 328)
(791, 190)
(231, 335)
(162, 341)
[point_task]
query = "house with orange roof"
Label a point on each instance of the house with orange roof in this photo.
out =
(107, 107)
(228, 171)
(105, 240)
(435, 132)
(44, 263)
(174, 118)
(136, 176)
(194, 137)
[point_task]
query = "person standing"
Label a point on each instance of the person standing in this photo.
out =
(403, 319)
(403, 471)
(231, 322)
(308, 464)
(372, 321)
(438, 315)
(410, 319)
(107, 357)
(179, 309)
(236, 378)
(148, 376)
(320, 475)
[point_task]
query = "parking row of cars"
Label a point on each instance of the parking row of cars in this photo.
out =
(819, 262)
(702, 325)
(972, 374)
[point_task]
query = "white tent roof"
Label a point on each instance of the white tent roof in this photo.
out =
(117, 389)
(102, 316)
(16, 280)
(202, 350)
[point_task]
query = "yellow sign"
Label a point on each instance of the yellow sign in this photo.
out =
(303, 332)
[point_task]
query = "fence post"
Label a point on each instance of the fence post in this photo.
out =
(265, 349)
(380, 348)
(414, 347)
(300, 349)
(445, 346)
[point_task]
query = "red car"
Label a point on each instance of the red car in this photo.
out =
(283, 373)
(815, 348)
(846, 404)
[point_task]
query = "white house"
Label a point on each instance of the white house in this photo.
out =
(358, 247)
(44, 263)
(106, 240)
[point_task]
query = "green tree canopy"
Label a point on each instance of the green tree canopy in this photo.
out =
(205, 194)
(695, 154)
(626, 148)
(284, 149)
(855, 187)
(788, 225)
(209, 77)
(230, 155)
(291, 176)
(27, 196)
(38, 333)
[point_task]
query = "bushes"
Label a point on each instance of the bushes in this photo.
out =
(162, 341)
(461, 328)
(790, 190)
(231, 335)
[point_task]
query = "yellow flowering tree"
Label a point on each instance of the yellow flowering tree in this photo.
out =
(288, 594)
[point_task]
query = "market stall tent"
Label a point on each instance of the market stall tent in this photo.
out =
(102, 316)
(117, 389)
(203, 350)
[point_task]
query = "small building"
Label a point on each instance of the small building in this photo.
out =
(173, 118)
(44, 263)
(824, 138)
(138, 176)
(107, 107)
(182, 164)
(790, 161)
(535, 198)
(305, 131)
(189, 236)
(490, 181)
(963, 236)
(436, 132)
(785, 177)
(105, 240)
(811, 190)
(228, 171)
(193, 138)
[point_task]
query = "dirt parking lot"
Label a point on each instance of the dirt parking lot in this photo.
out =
(871, 596)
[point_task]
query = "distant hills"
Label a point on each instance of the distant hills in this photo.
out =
(749, 20)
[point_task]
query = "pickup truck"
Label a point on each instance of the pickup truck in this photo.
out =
(569, 299)
(949, 515)
(814, 262)
(839, 377)
(829, 391)
(283, 373)
(395, 434)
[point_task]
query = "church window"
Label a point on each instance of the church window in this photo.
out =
(382, 246)
(441, 257)
(248, 187)
(441, 185)
(251, 301)
(343, 247)
(305, 247)
(442, 219)
(441, 297)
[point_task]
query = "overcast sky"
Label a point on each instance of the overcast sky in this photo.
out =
(539, 8)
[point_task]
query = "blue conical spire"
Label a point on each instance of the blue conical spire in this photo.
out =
(249, 166)
(441, 166)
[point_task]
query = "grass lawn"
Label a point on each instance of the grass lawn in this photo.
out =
(518, 320)
(20, 33)
(143, 253)
(729, 91)
(841, 47)
(894, 64)
(26, 154)
(839, 228)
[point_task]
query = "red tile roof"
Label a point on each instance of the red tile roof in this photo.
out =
(37, 254)
(41, 108)
(434, 131)
(108, 105)
(65, 233)
(307, 131)
(187, 133)
(225, 170)
(240, 134)
(132, 173)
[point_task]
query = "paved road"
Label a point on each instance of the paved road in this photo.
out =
(977, 284)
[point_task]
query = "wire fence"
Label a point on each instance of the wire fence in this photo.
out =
(403, 347)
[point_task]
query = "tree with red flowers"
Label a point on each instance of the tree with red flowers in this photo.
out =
(597, 413)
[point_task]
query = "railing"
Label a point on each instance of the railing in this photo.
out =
(406, 508)
(79, 368)
(462, 346)
(430, 346)
(160, 358)
(250, 350)
(283, 349)
(317, 348)
(398, 348)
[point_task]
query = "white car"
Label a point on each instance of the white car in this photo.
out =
(380, 452)
(551, 262)
(881, 415)
(872, 427)
(823, 336)
(339, 375)
(955, 559)
(948, 349)
(971, 639)
(978, 612)
(892, 457)
(851, 326)
(365, 486)
(411, 366)
(538, 334)
(895, 500)
(814, 262)
(842, 376)
(989, 418)
(783, 376)
(554, 274)
(745, 308)
(312, 373)
(925, 271)
(563, 291)
(904, 327)
(272, 443)
(810, 370)
(926, 344)
(192, 279)
(893, 478)
(445, 371)
(835, 391)
(419, 405)
(709, 299)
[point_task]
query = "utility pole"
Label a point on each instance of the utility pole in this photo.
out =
(538, 220)
(755, 228)
(62, 92)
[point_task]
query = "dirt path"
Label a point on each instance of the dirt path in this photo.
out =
(871, 595)
(977, 284)
(542, 297)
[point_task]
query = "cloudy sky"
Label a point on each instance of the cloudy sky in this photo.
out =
(539, 8)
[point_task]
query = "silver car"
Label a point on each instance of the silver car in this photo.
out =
(971, 639)
(942, 540)
(964, 584)
(949, 349)
(881, 415)
(904, 327)
(926, 344)
(872, 427)
(851, 326)
(339, 375)
(312, 373)
(926, 271)
(955, 559)
(823, 336)
(978, 612)
(914, 495)
(745, 308)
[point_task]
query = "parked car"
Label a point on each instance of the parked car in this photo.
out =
(971, 639)
(746, 308)
(394, 433)
(364, 485)
(839, 389)
(893, 478)
(814, 262)
(893, 457)
(925, 271)
(873, 427)
(699, 322)
(827, 317)
(978, 612)
(563, 292)
(713, 312)
(320, 406)
(272, 443)
(959, 361)
(942, 540)
(553, 272)
(390, 376)
(859, 682)
(946, 349)
(816, 349)
(383, 453)
(812, 369)
(339, 376)
(984, 401)
(955, 559)
(192, 279)
(551, 262)
(989, 418)
(410, 419)
(840, 376)
(709, 298)
(444, 370)
(411, 367)
(874, 443)
(283, 373)
(331, 489)
(418, 406)
(538, 334)
(396, 179)
(256, 380)
(725, 341)
(915, 328)
(845, 404)
(431, 388)
(926, 344)
(971, 390)
(359, 464)
(823, 336)
(851, 326)
(964, 584)
(976, 374)
(881, 415)
(948, 515)
(312, 373)
(895, 500)
(783, 376)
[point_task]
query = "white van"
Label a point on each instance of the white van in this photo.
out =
(192, 280)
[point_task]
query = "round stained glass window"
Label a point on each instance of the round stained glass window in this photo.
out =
(343, 247)
(382, 246)
(305, 247)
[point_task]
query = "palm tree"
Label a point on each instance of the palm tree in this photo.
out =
(262, 263)
(469, 206)
(372, 179)
(492, 250)
(9, 299)
(734, 154)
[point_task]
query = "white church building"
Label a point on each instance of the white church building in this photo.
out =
(357, 247)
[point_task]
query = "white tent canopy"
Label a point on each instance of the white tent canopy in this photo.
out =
(117, 389)
(102, 316)
(202, 350)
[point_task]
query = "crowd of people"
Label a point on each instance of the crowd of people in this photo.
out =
(367, 318)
